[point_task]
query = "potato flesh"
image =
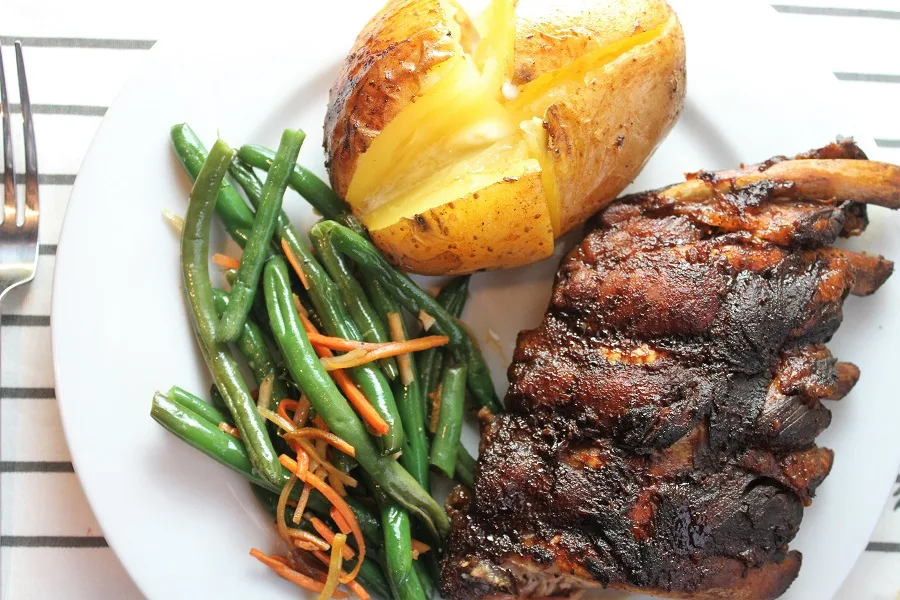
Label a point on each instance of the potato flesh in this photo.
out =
(461, 134)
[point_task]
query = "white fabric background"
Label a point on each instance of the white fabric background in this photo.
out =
(78, 55)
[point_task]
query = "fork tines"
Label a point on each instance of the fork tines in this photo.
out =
(19, 229)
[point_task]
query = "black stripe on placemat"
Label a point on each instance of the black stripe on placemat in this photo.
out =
(62, 42)
(883, 547)
(53, 541)
(52, 178)
(19, 466)
(47, 250)
(29, 393)
(868, 77)
(25, 320)
(78, 110)
(836, 12)
(888, 143)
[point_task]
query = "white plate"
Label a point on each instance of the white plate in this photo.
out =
(182, 525)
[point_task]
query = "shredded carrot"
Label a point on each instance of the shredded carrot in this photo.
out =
(225, 261)
(319, 422)
(282, 506)
(283, 570)
(354, 586)
(291, 465)
(334, 567)
(339, 521)
(301, 413)
(285, 424)
(289, 254)
(362, 355)
(427, 320)
(347, 513)
(287, 405)
(319, 434)
(356, 398)
(338, 485)
(404, 361)
(230, 429)
(264, 399)
(419, 548)
(309, 538)
(301, 504)
(328, 535)
(360, 403)
(384, 350)
(308, 546)
(435, 410)
(302, 464)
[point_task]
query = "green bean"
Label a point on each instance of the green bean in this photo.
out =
(397, 530)
(252, 345)
(329, 306)
(425, 579)
(305, 183)
(198, 288)
(203, 409)
(342, 461)
(410, 403)
(372, 579)
(397, 543)
(362, 312)
(465, 467)
(330, 404)
(412, 588)
(235, 214)
(219, 402)
(445, 444)
(415, 299)
(452, 297)
(232, 453)
(255, 253)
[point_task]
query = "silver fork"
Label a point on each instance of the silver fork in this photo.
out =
(18, 236)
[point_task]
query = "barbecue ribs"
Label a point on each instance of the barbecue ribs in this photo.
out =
(661, 424)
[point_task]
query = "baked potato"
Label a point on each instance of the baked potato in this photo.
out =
(464, 147)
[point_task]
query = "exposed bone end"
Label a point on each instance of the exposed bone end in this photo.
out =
(847, 376)
(869, 272)
(864, 181)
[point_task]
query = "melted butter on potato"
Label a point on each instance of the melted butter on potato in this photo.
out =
(465, 147)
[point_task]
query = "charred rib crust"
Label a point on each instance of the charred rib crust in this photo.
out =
(662, 418)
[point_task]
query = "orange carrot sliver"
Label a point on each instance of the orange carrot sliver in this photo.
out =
(320, 434)
(339, 520)
(283, 570)
(385, 349)
(284, 406)
(225, 261)
(359, 402)
(354, 586)
(229, 429)
(328, 535)
(288, 253)
(345, 510)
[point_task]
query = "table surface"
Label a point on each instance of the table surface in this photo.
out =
(78, 56)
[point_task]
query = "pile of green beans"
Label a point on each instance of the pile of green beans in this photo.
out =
(351, 293)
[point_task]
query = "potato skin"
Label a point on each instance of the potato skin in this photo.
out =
(502, 226)
(550, 35)
(600, 133)
(381, 75)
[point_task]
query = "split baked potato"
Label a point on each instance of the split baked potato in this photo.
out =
(464, 147)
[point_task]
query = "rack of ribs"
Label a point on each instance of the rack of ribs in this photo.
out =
(661, 420)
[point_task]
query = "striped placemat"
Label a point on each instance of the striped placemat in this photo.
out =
(78, 56)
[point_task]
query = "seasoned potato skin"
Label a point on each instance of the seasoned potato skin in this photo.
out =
(600, 133)
(381, 75)
(503, 226)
